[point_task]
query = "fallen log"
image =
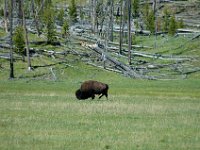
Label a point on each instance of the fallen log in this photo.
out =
(5, 56)
(94, 39)
(122, 67)
(5, 46)
(53, 53)
(187, 31)
(133, 46)
(195, 37)
(191, 71)
(106, 68)
(159, 56)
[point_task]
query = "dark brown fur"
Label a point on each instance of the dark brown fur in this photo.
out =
(90, 88)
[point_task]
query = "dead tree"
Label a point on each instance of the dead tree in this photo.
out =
(35, 16)
(6, 15)
(20, 11)
(11, 42)
(120, 31)
(156, 20)
(93, 15)
(111, 20)
(129, 31)
(122, 23)
(26, 36)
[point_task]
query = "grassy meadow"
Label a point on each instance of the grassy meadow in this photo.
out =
(39, 111)
(139, 114)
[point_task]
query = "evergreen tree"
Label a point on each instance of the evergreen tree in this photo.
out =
(180, 24)
(65, 29)
(73, 12)
(172, 26)
(135, 8)
(19, 41)
(60, 16)
(49, 20)
(146, 12)
(133, 39)
(166, 17)
(149, 18)
(1, 12)
(151, 22)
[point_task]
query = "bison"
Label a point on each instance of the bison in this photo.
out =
(90, 88)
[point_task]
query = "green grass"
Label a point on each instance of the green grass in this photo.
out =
(39, 112)
(139, 114)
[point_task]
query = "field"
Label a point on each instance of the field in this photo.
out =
(139, 114)
(39, 110)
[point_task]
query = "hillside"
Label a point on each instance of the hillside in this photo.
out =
(153, 57)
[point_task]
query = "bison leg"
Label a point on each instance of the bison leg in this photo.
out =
(100, 96)
(103, 95)
(106, 95)
(93, 96)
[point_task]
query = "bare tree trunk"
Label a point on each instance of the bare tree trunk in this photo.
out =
(26, 37)
(11, 42)
(35, 17)
(93, 15)
(156, 27)
(111, 20)
(120, 32)
(6, 15)
(124, 20)
(20, 13)
(129, 32)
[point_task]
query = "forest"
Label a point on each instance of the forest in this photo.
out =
(138, 39)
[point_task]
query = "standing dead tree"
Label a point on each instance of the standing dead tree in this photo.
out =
(129, 32)
(6, 15)
(26, 36)
(11, 41)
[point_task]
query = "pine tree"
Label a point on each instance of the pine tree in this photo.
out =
(49, 20)
(60, 16)
(166, 17)
(151, 22)
(136, 8)
(180, 24)
(172, 26)
(5, 14)
(73, 12)
(65, 29)
(149, 18)
(19, 41)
